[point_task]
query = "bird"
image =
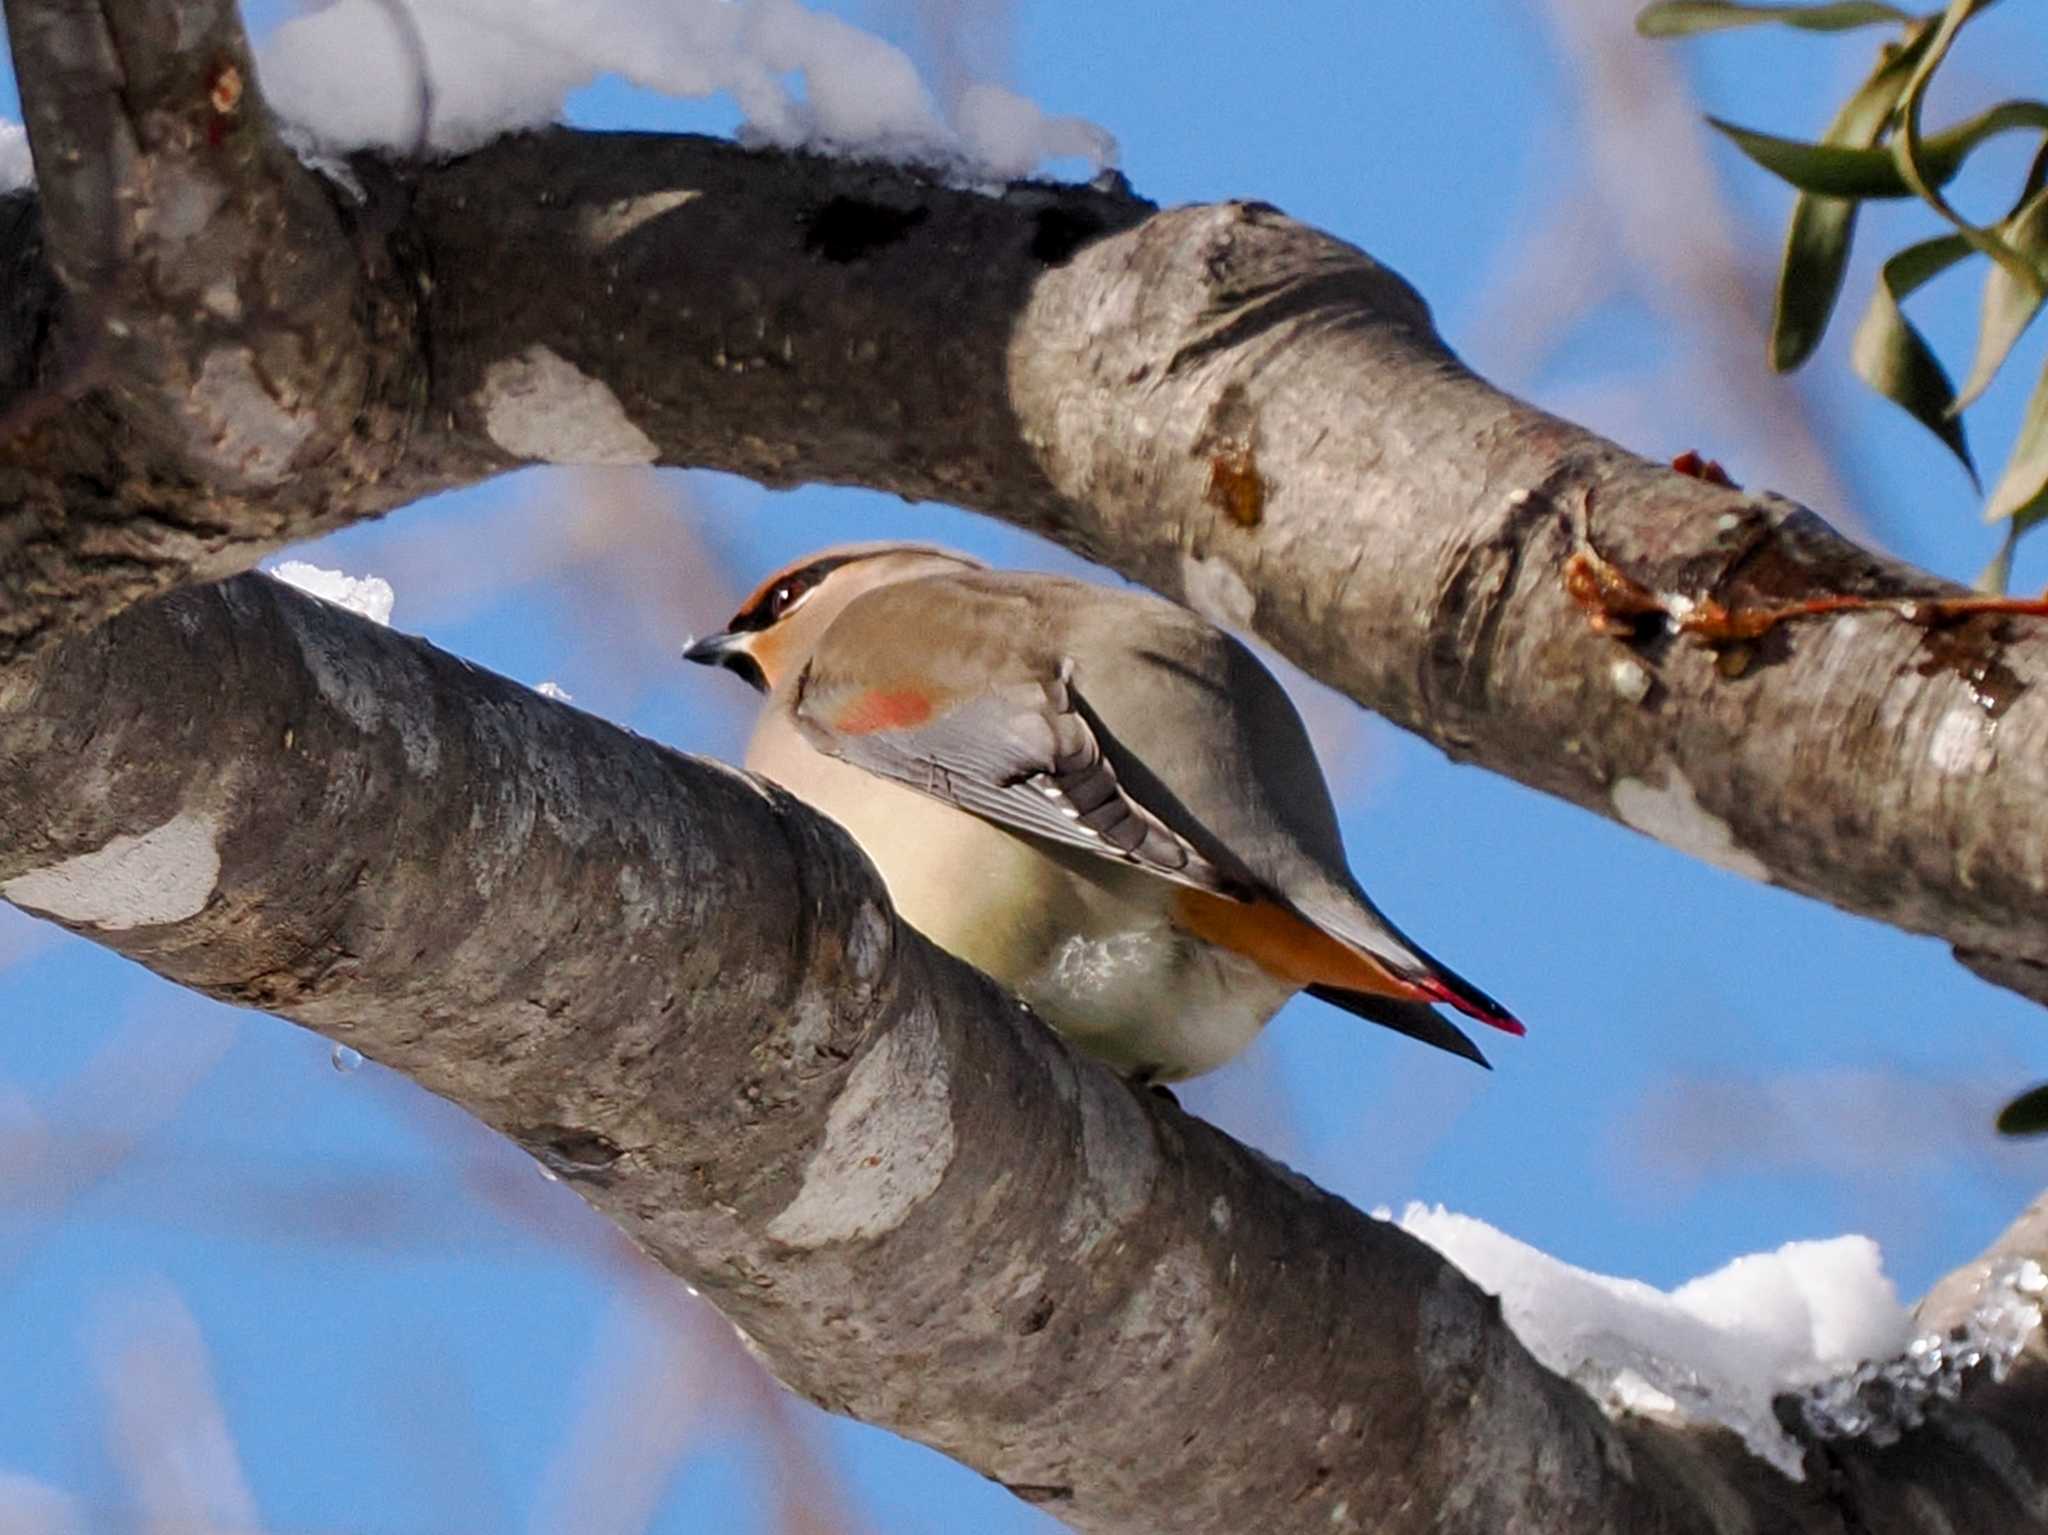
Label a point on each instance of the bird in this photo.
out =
(1093, 795)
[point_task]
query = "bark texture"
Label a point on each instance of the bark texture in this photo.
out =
(1217, 401)
(686, 994)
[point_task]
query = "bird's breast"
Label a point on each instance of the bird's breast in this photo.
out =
(1090, 944)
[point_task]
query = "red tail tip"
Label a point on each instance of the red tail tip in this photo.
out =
(1472, 1003)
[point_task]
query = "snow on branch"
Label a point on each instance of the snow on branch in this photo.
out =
(450, 75)
(1720, 1349)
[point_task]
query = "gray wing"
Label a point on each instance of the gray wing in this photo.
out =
(1018, 752)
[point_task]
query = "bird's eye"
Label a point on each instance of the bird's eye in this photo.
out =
(785, 596)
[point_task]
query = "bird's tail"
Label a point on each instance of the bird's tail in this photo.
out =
(1389, 965)
(1418, 1020)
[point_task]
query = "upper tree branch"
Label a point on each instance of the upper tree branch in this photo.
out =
(1217, 401)
(686, 993)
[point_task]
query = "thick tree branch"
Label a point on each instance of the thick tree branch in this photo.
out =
(686, 994)
(1217, 401)
(579, 936)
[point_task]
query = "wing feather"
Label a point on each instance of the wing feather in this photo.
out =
(1019, 753)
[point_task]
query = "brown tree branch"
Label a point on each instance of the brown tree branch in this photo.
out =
(685, 993)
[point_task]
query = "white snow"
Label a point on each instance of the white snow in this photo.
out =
(1008, 135)
(1882, 1399)
(1718, 1348)
(366, 596)
(357, 74)
(556, 691)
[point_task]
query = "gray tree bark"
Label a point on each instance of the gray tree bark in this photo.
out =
(686, 994)
(574, 933)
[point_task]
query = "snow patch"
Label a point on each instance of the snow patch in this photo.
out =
(368, 597)
(1007, 135)
(1718, 1349)
(163, 875)
(888, 1143)
(1629, 1392)
(1881, 1401)
(1217, 592)
(639, 905)
(556, 691)
(1672, 813)
(541, 406)
(481, 68)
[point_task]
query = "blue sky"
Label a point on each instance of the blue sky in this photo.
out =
(408, 1331)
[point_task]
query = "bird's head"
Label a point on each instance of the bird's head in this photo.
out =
(780, 624)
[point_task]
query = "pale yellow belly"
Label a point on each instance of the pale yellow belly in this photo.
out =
(1086, 942)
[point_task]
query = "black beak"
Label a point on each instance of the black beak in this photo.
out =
(729, 651)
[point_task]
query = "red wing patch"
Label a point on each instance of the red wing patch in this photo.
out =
(883, 709)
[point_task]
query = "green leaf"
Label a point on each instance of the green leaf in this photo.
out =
(1895, 360)
(2028, 517)
(1833, 169)
(2012, 294)
(2022, 491)
(1682, 18)
(2026, 1114)
(1818, 236)
(1997, 576)
(1910, 149)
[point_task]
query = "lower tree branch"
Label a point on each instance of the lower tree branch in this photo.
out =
(687, 995)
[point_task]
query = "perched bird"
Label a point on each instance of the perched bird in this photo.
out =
(1094, 796)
